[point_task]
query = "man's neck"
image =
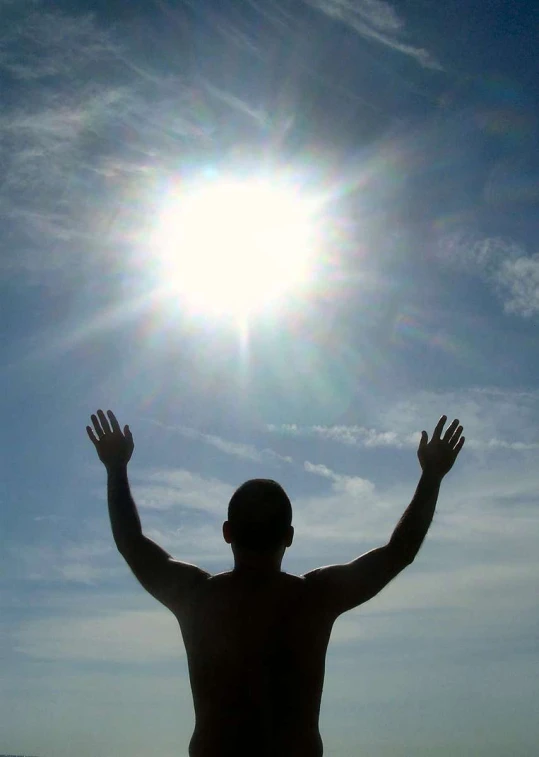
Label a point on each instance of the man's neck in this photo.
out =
(256, 569)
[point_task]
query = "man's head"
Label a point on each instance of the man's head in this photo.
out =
(259, 519)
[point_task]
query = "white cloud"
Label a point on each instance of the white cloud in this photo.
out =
(199, 544)
(319, 470)
(162, 490)
(350, 510)
(351, 435)
(518, 283)
(353, 485)
(377, 20)
(502, 264)
(466, 251)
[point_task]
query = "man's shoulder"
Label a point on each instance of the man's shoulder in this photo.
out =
(282, 575)
(230, 583)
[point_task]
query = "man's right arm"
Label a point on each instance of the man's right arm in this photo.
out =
(124, 518)
(346, 586)
(168, 580)
(115, 449)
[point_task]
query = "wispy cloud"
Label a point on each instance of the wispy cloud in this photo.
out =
(359, 437)
(41, 42)
(165, 489)
(504, 266)
(493, 420)
(377, 20)
(70, 173)
(242, 450)
(471, 253)
(351, 435)
(72, 562)
(354, 485)
(518, 282)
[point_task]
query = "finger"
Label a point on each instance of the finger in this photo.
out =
(439, 427)
(456, 436)
(129, 437)
(92, 436)
(104, 422)
(451, 430)
(113, 422)
(424, 439)
(459, 446)
(98, 430)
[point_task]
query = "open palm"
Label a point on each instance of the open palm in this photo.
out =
(438, 455)
(113, 447)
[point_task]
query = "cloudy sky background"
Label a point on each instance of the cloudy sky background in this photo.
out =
(420, 125)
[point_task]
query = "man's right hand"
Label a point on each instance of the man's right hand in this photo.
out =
(113, 447)
(438, 455)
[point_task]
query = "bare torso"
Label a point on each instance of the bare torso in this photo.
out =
(256, 651)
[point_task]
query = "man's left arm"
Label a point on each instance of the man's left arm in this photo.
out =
(344, 587)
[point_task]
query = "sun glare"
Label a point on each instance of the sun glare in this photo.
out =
(233, 246)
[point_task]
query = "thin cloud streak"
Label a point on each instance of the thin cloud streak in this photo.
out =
(351, 435)
(376, 20)
(236, 449)
(358, 436)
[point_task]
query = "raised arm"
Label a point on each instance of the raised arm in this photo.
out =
(343, 587)
(165, 578)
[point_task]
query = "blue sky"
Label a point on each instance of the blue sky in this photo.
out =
(419, 123)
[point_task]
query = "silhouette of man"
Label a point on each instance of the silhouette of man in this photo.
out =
(255, 636)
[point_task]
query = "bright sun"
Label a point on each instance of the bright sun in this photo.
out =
(232, 246)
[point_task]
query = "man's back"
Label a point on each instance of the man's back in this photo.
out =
(256, 639)
(256, 650)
